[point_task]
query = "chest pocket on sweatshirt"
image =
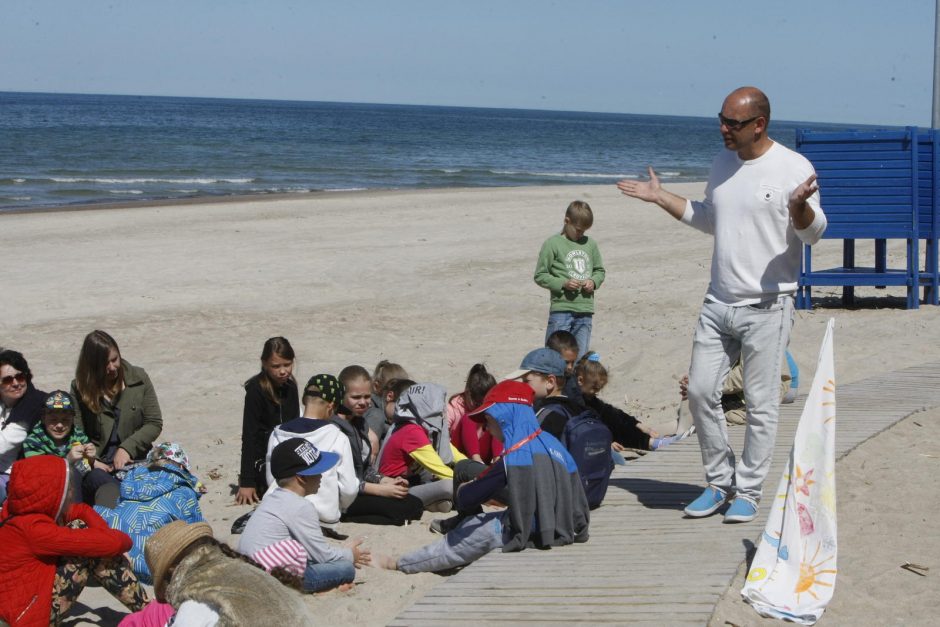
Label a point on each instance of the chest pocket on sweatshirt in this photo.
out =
(773, 198)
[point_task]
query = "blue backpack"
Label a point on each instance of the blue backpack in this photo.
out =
(588, 441)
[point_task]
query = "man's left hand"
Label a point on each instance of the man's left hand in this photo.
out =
(588, 287)
(802, 193)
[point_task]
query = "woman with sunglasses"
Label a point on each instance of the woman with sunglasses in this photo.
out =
(117, 406)
(21, 405)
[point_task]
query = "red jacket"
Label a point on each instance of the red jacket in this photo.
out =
(33, 542)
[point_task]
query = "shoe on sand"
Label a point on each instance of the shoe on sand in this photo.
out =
(742, 509)
(241, 522)
(707, 503)
(444, 525)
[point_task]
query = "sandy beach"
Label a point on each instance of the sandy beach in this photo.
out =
(438, 280)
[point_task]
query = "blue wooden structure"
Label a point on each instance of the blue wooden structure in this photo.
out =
(876, 185)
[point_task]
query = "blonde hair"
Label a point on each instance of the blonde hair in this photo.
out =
(591, 370)
(580, 215)
(385, 371)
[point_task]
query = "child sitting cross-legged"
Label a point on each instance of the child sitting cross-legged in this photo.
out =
(286, 522)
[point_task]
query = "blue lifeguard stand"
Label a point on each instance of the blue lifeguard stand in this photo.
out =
(876, 185)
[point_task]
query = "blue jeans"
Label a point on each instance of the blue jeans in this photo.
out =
(578, 324)
(469, 541)
(319, 577)
(759, 335)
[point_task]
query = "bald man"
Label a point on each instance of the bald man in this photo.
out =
(761, 203)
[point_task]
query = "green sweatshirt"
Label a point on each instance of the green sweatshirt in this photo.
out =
(561, 259)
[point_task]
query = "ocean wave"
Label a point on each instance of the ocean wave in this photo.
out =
(132, 181)
(346, 189)
(565, 175)
(135, 192)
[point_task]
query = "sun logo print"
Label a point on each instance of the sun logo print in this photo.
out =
(811, 574)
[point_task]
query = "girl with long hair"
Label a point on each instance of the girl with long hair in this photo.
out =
(270, 399)
(117, 405)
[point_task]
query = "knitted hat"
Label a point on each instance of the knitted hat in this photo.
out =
(165, 547)
(169, 451)
(331, 390)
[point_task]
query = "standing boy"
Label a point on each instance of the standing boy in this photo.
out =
(571, 269)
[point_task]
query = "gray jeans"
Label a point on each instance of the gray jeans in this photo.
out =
(759, 334)
(469, 541)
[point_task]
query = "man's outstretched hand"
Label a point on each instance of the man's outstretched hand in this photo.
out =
(644, 190)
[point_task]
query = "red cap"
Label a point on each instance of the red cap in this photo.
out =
(504, 392)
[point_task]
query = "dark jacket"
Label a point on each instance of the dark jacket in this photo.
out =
(357, 431)
(623, 426)
(260, 417)
(136, 410)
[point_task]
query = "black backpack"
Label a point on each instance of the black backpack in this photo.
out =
(588, 441)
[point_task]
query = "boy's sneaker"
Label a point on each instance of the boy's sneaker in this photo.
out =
(444, 526)
(241, 522)
(706, 504)
(742, 509)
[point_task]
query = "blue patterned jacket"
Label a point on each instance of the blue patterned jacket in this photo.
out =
(150, 498)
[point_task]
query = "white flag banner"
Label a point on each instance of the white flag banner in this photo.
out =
(793, 574)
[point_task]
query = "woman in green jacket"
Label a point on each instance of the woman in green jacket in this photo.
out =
(117, 406)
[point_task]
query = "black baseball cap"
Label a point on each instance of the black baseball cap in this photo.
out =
(297, 456)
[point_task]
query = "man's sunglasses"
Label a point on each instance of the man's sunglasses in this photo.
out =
(735, 125)
(19, 377)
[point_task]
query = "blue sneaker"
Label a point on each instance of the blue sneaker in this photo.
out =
(742, 509)
(706, 504)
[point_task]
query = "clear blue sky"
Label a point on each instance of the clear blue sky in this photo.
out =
(854, 61)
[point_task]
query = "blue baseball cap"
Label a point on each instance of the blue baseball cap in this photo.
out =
(541, 360)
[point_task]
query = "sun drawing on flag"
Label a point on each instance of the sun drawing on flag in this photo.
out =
(810, 574)
(804, 480)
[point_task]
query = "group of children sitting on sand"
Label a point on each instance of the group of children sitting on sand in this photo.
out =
(374, 448)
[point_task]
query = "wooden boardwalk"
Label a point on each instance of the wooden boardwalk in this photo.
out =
(645, 562)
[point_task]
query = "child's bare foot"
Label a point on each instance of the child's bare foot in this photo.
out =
(387, 562)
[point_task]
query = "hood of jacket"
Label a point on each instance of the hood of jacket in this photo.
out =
(146, 483)
(425, 404)
(38, 485)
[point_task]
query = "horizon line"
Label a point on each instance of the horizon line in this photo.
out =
(395, 104)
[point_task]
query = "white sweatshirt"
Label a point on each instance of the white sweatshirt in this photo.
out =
(757, 250)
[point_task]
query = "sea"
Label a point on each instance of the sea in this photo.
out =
(70, 149)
